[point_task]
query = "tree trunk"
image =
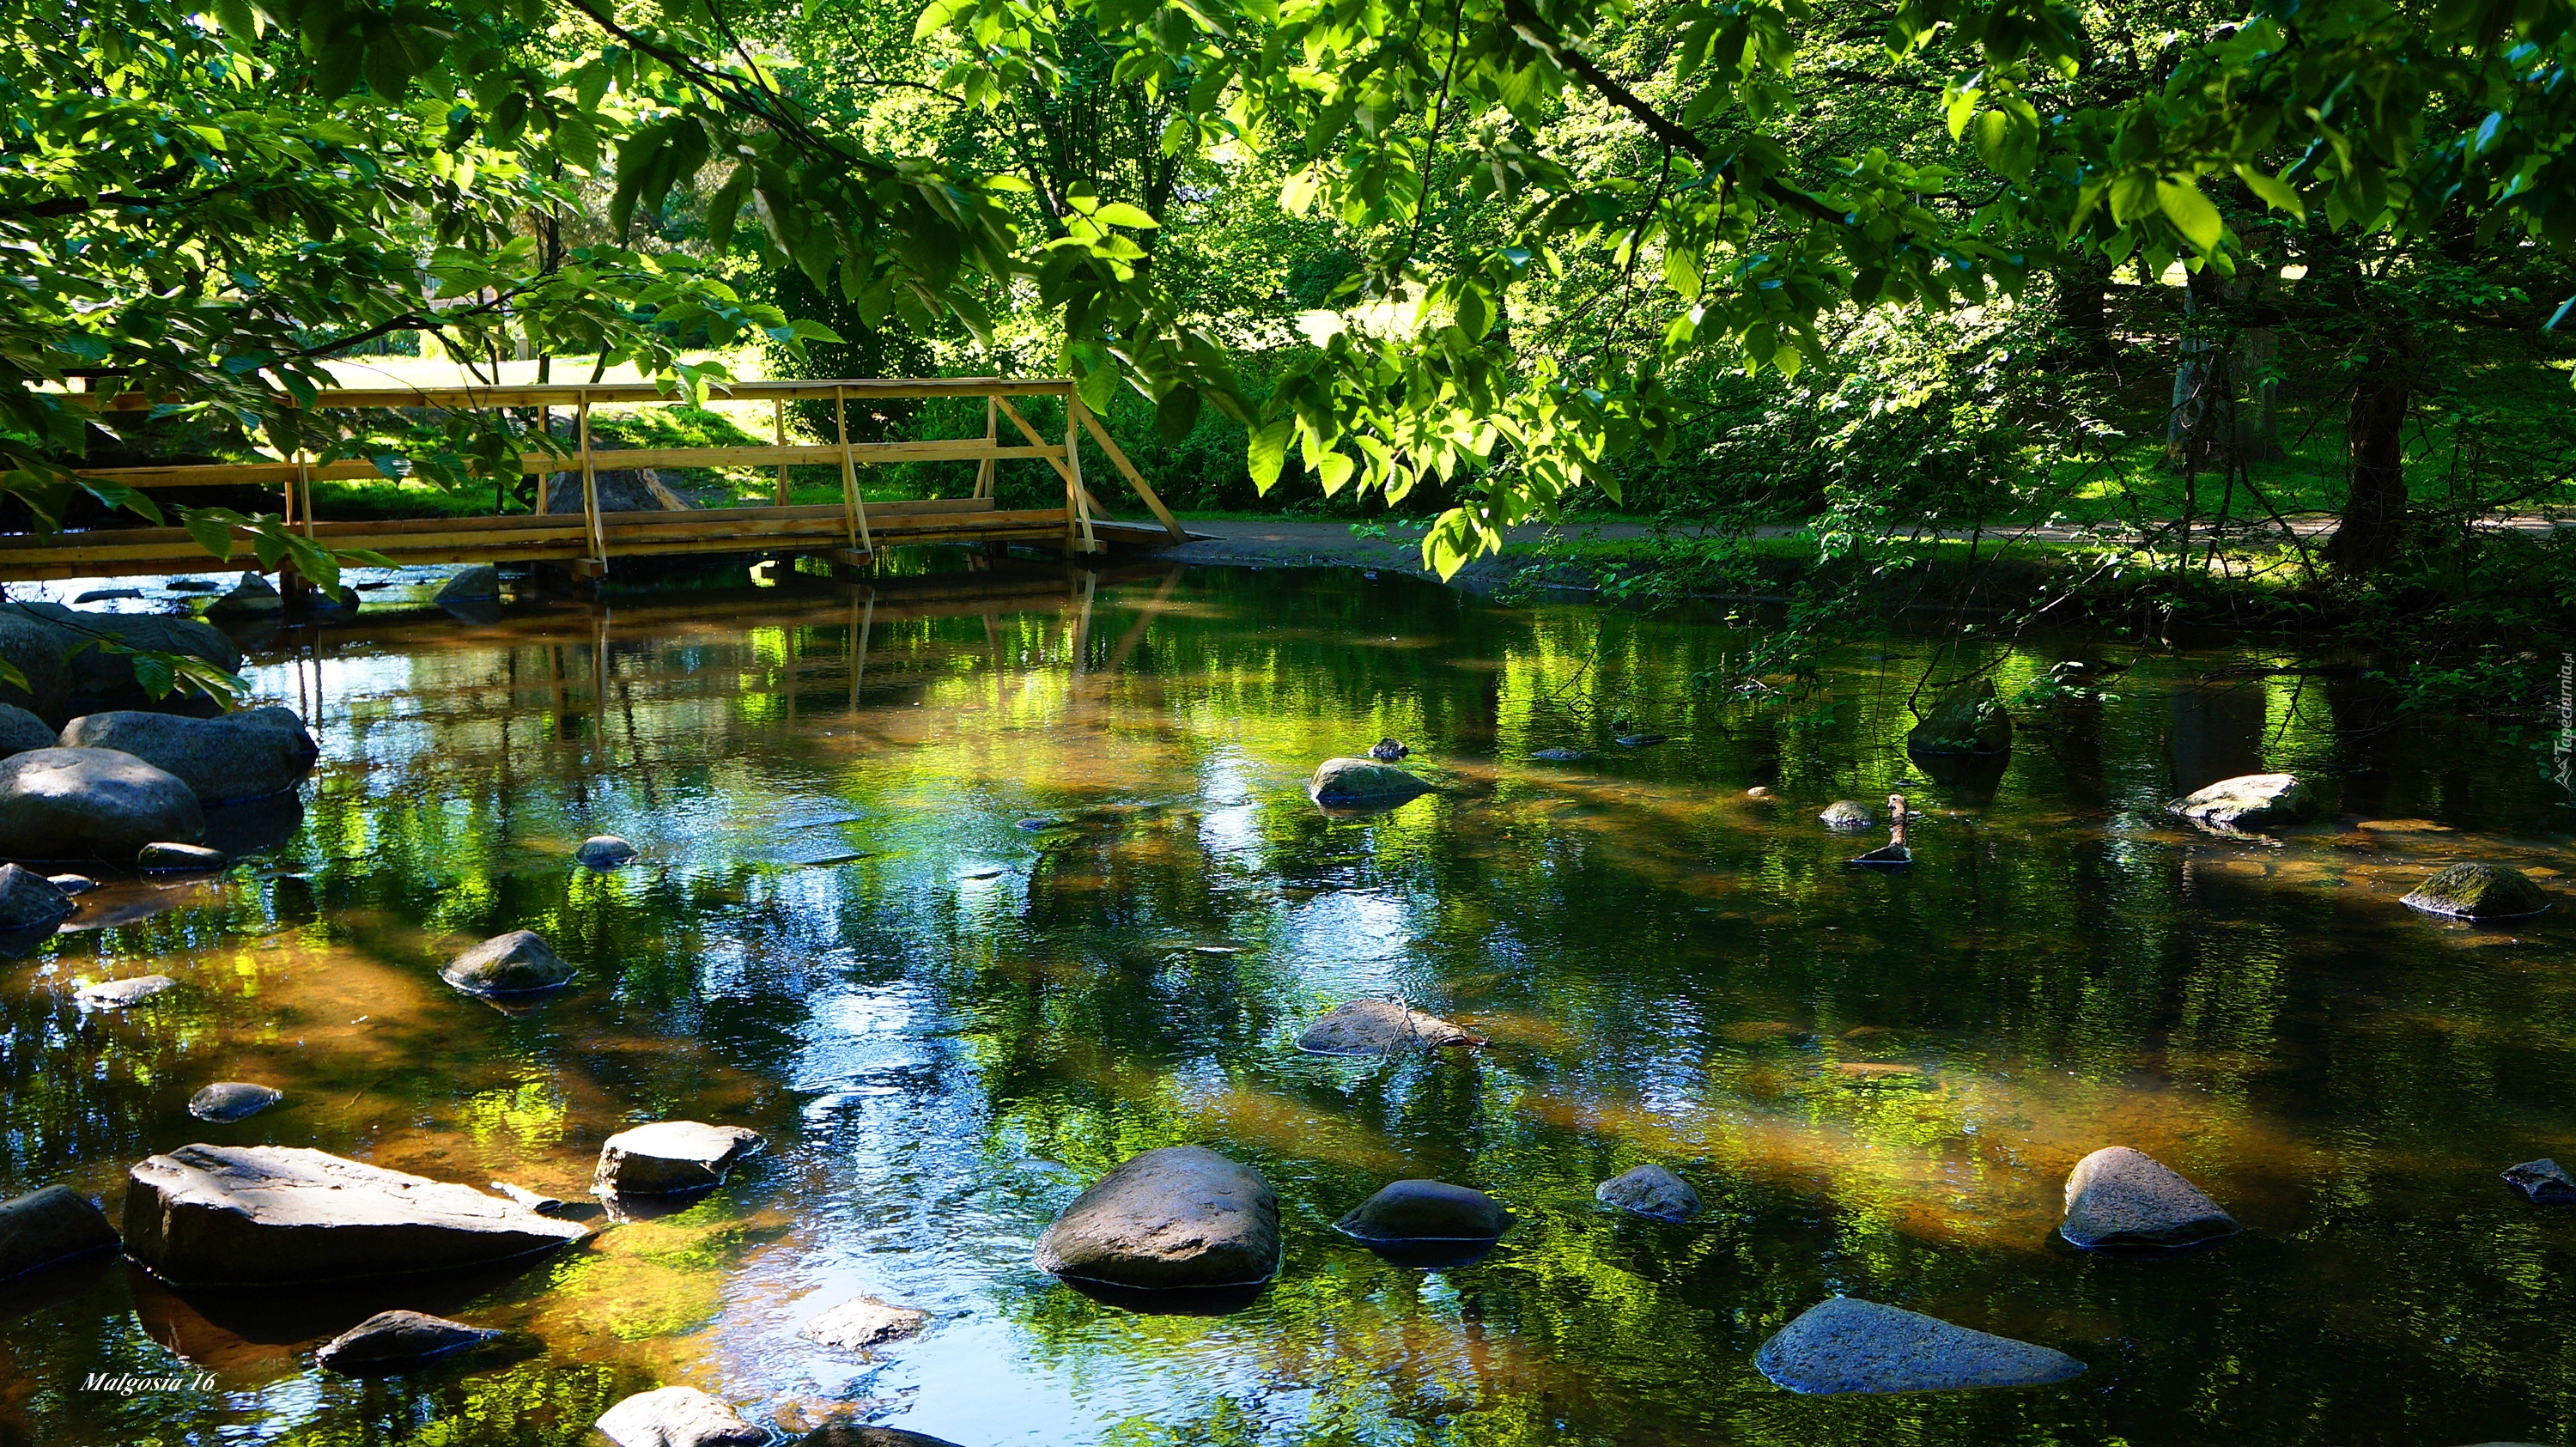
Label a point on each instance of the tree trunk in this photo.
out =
(2374, 510)
(2083, 317)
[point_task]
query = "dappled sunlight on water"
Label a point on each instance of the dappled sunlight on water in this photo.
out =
(841, 934)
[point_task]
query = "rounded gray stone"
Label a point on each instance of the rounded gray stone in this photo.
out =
(671, 1156)
(1411, 1211)
(21, 731)
(862, 1322)
(29, 900)
(1380, 1027)
(2544, 1181)
(46, 1227)
(677, 1417)
(1848, 814)
(2118, 1197)
(117, 994)
(604, 851)
(2250, 801)
(241, 756)
(1650, 1191)
(480, 583)
(517, 963)
(1174, 1218)
(1842, 1345)
(390, 1342)
(1362, 784)
(2478, 891)
(227, 1101)
(91, 804)
(852, 1434)
(165, 857)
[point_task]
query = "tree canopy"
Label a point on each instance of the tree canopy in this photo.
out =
(1541, 210)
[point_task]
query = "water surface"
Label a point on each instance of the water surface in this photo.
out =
(947, 1024)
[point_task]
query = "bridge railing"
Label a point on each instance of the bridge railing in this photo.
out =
(587, 540)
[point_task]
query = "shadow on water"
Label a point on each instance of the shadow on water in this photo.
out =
(839, 934)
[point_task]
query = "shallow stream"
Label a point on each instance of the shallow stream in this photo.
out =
(946, 1024)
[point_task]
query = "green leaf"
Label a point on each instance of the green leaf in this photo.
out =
(1119, 213)
(211, 531)
(2276, 193)
(2191, 213)
(1267, 453)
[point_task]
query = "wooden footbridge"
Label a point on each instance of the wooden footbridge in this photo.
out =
(852, 532)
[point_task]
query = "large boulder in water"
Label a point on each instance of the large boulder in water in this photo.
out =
(35, 648)
(1967, 719)
(1362, 784)
(2479, 891)
(397, 1341)
(240, 756)
(2250, 801)
(1842, 1345)
(1652, 1192)
(517, 963)
(21, 731)
(227, 1101)
(2118, 1197)
(1379, 1027)
(1848, 815)
(671, 1156)
(47, 1227)
(1406, 1212)
(29, 900)
(677, 1417)
(208, 1215)
(480, 583)
(91, 804)
(1178, 1217)
(853, 1434)
(96, 679)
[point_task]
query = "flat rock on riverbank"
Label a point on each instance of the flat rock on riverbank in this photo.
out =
(207, 1215)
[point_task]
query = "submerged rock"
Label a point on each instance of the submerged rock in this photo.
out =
(1387, 751)
(29, 900)
(480, 583)
(1561, 756)
(604, 851)
(2479, 891)
(227, 1101)
(240, 756)
(1038, 823)
(862, 1322)
(72, 883)
(1842, 1345)
(21, 731)
(1641, 741)
(117, 994)
(2544, 1181)
(45, 1228)
(1379, 1027)
(2119, 1197)
(164, 857)
(207, 1215)
(517, 963)
(91, 804)
(1650, 1191)
(1178, 1217)
(252, 595)
(1409, 1211)
(1967, 719)
(2250, 801)
(1362, 783)
(852, 1434)
(677, 1417)
(1848, 814)
(671, 1156)
(390, 1342)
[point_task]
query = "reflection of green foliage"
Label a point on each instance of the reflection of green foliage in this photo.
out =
(535, 1404)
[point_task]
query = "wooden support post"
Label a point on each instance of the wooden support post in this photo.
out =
(590, 492)
(1128, 470)
(1072, 480)
(1077, 498)
(778, 431)
(853, 506)
(866, 624)
(984, 470)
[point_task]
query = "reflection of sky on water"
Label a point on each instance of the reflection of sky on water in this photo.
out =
(1877, 1082)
